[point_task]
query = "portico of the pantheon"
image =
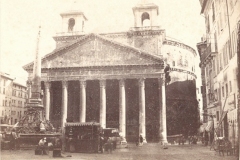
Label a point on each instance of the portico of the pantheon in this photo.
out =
(116, 79)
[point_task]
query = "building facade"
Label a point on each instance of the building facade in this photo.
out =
(218, 52)
(13, 98)
(117, 79)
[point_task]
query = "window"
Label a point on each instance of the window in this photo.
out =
(2, 113)
(145, 19)
(223, 91)
(215, 41)
(213, 14)
(226, 89)
(71, 23)
(230, 86)
(220, 61)
(234, 42)
(214, 71)
(208, 24)
(220, 19)
(217, 63)
(3, 90)
(229, 49)
(173, 63)
(215, 95)
(217, 115)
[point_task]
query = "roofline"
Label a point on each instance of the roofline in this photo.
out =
(73, 13)
(100, 66)
(194, 51)
(101, 37)
(203, 6)
(19, 84)
(6, 75)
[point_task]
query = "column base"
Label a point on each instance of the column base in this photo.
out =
(164, 142)
(144, 140)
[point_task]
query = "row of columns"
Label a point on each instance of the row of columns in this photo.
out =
(122, 106)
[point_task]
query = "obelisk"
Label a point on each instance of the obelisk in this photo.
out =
(35, 100)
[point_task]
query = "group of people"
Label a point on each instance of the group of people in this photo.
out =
(106, 144)
(44, 145)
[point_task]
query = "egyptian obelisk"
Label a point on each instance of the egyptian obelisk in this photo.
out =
(35, 101)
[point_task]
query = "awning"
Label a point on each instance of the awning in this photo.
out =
(222, 117)
(82, 124)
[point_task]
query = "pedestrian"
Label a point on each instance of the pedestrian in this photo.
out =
(140, 140)
(206, 138)
(13, 139)
(101, 143)
(109, 145)
(42, 145)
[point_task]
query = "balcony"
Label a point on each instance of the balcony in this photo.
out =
(209, 53)
(145, 28)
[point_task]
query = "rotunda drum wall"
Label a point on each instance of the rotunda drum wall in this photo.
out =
(180, 59)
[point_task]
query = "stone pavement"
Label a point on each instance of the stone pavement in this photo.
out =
(150, 151)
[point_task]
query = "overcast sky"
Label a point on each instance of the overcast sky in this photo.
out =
(20, 19)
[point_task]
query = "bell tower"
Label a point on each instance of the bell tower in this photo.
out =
(73, 22)
(145, 14)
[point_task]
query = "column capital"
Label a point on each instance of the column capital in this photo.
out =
(64, 84)
(83, 83)
(47, 84)
(141, 82)
(121, 82)
(102, 83)
(161, 81)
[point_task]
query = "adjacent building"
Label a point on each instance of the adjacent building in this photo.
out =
(117, 79)
(13, 96)
(218, 53)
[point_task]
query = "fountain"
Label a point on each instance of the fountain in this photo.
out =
(33, 126)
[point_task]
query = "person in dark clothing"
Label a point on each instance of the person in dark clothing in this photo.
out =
(140, 140)
(42, 145)
(13, 140)
(101, 143)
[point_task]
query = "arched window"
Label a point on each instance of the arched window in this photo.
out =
(145, 19)
(71, 23)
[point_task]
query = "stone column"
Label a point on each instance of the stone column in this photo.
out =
(64, 102)
(122, 108)
(163, 117)
(47, 85)
(103, 103)
(142, 116)
(83, 101)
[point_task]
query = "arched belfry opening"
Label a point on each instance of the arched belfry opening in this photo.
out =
(145, 14)
(71, 23)
(145, 19)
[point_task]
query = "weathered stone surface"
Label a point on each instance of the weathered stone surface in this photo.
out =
(98, 53)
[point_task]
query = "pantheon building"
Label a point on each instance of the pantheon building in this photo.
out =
(116, 79)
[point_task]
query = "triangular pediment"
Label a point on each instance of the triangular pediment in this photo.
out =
(94, 50)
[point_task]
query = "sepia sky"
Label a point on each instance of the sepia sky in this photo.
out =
(20, 19)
